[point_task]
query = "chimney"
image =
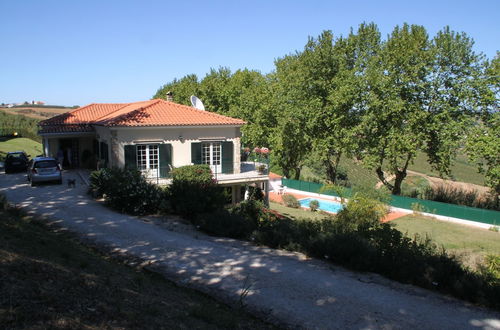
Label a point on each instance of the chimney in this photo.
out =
(170, 96)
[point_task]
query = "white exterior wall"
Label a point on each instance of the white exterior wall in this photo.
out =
(181, 151)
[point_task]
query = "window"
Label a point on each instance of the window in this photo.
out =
(147, 159)
(211, 155)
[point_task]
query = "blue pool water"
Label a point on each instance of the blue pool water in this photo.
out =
(324, 205)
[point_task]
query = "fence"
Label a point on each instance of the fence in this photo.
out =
(449, 210)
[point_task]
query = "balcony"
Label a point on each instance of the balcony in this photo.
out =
(254, 167)
(248, 173)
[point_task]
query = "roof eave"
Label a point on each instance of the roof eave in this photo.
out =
(168, 126)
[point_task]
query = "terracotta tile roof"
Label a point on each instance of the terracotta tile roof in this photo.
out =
(274, 176)
(145, 113)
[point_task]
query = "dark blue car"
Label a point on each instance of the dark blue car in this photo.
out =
(16, 161)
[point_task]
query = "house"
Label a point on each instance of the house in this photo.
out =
(153, 136)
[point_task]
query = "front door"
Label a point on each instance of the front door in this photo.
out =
(68, 153)
(211, 155)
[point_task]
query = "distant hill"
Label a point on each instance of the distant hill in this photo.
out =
(39, 112)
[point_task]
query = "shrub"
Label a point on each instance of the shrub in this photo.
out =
(291, 201)
(382, 194)
(494, 229)
(314, 205)
(3, 202)
(414, 187)
(491, 269)
(255, 193)
(456, 195)
(417, 208)
(384, 250)
(361, 213)
(193, 191)
(126, 190)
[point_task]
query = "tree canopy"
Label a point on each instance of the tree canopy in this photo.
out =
(380, 101)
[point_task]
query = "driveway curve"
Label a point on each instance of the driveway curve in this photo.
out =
(287, 288)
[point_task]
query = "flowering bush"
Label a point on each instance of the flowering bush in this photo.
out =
(126, 190)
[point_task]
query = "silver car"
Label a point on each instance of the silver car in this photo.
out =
(44, 169)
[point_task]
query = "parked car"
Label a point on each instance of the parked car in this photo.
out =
(44, 169)
(16, 161)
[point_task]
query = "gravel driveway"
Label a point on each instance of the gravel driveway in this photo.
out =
(283, 287)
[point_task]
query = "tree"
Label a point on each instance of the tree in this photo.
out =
(244, 94)
(181, 89)
(483, 145)
(290, 140)
(337, 70)
(422, 95)
(215, 91)
(484, 150)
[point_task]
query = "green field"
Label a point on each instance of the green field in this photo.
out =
(31, 147)
(462, 170)
(51, 281)
(468, 242)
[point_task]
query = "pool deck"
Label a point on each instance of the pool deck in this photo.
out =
(275, 197)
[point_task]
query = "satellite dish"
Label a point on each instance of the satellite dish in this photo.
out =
(196, 102)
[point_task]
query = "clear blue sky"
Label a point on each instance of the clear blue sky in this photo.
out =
(72, 52)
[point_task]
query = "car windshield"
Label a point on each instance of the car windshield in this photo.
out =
(46, 164)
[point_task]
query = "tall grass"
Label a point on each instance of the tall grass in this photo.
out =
(455, 195)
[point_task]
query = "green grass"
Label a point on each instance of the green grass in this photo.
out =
(31, 147)
(296, 213)
(469, 242)
(49, 280)
(462, 169)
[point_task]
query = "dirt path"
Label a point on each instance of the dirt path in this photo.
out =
(434, 181)
(284, 287)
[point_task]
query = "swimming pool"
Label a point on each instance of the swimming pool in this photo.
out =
(324, 205)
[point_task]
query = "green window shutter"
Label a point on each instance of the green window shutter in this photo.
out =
(165, 159)
(196, 153)
(130, 157)
(95, 147)
(227, 157)
(104, 154)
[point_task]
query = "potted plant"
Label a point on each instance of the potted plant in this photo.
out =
(261, 169)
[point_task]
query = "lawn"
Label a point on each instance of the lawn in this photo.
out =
(49, 280)
(296, 213)
(31, 147)
(472, 243)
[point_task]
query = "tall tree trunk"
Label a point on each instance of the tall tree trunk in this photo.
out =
(400, 176)
(297, 173)
(332, 166)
